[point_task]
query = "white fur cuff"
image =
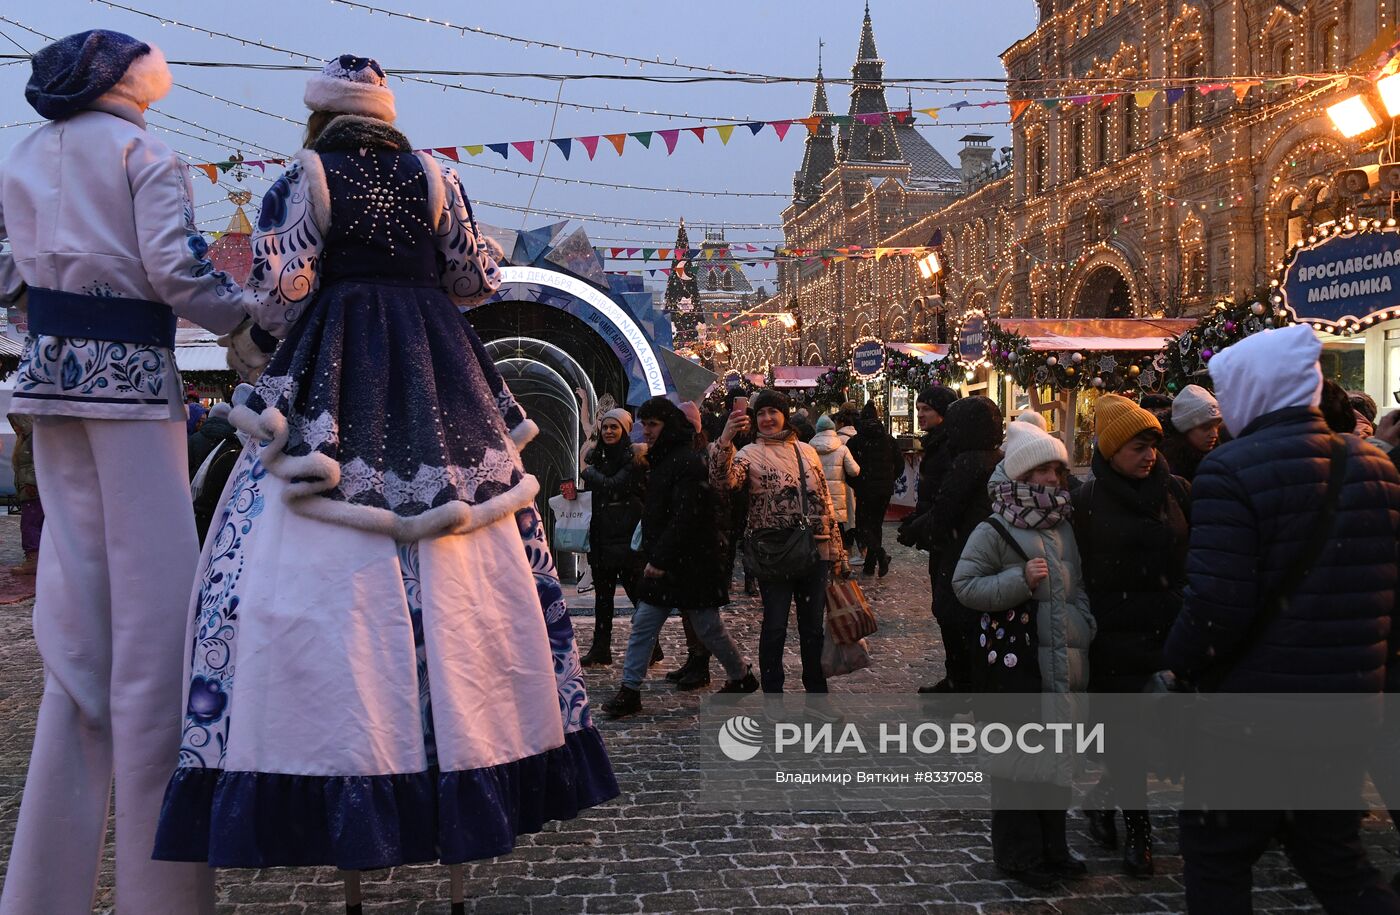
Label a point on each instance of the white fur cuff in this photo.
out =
(147, 80)
(326, 93)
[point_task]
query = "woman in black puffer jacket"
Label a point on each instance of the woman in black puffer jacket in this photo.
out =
(974, 431)
(617, 480)
(1131, 524)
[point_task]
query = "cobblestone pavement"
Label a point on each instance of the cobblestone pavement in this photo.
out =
(657, 848)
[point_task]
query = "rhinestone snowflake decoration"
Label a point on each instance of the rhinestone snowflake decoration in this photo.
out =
(388, 201)
(1108, 365)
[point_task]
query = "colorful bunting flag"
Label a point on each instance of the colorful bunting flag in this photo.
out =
(590, 144)
(781, 129)
(699, 133)
(565, 144)
(754, 127)
(643, 137)
(449, 152)
(647, 253)
(1175, 95)
(503, 149)
(475, 150)
(1018, 108)
(618, 140)
(526, 148)
(1144, 99)
(811, 123)
(211, 171)
(670, 137)
(931, 112)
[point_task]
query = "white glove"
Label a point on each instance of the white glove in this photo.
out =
(244, 356)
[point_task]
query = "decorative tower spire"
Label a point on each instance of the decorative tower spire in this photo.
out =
(862, 142)
(819, 154)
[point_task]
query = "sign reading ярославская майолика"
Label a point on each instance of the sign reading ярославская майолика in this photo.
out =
(1345, 279)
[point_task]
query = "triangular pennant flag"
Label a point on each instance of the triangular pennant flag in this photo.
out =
(841, 120)
(931, 112)
(663, 254)
(670, 137)
(709, 253)
(616, 252)
(618, 140)
(958, 106)
(1242, 89)
(1144, 99)
(503, 149)
(211, 171)
(647, 253)
(276, 161)
(699, 132)
(1080, 99)
(666, 271)
(1018, 108)
(754, 127)
(1049, 103)
(644, 138)
(902, 116)
(1110, 98)
(475, 150)
(781, 129)
(633, 252)
(526, 148)
(868, 118)
(724, 131)
(750, 248)
(590, 144)
(989, 104)
(449, 152)
(1175, 95)
(651, 273)
(223, 166)
(811, 123)
(565, 144)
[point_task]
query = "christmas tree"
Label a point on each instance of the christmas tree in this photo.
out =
(683, 294)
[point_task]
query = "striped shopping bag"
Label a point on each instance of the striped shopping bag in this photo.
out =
(848, 612)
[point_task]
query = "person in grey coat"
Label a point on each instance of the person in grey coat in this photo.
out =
(1031, 508)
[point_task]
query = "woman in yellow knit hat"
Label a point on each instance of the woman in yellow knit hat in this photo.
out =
(1130, 522)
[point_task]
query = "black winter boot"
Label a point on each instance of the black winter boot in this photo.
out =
(1103, 827)
(884, 563)
(697, 677)
(1137, 844)
(657, 655)
(628, 701)
(746, 684)
(600, 655)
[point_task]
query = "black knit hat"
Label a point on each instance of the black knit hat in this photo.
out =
(768, 397)
(938, 397)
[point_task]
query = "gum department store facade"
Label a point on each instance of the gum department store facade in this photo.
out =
(1099, 210)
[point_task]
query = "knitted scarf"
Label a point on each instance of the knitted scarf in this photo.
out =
(1029, 505)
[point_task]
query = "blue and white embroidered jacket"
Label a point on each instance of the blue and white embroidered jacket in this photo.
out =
(94, 205)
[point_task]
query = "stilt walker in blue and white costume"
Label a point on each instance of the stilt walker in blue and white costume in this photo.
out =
(382, 668)
(101, 227)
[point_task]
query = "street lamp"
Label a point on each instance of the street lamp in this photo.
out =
(930, 265)
(1353, 116)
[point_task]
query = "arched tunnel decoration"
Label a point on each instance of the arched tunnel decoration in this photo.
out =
(634, 341)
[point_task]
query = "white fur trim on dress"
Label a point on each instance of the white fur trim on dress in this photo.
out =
(437, 189)
(146, 80)
(524, 434)
(310, 475)
(318, 193)
(326, 93)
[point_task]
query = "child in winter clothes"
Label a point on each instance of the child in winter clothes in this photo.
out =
(1032, 508)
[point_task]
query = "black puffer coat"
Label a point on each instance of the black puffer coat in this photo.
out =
(211, 433)
(934, 464)
(974, 432)
(1254, 503)
(617, 482)
(881, 462)
(680, 531)
(1133, 537)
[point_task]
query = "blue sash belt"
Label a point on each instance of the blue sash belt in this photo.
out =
(90, 317)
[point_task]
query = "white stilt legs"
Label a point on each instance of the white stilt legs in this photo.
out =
(115, 570)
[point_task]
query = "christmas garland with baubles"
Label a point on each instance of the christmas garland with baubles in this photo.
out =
(914, 373)
(1115, 372)
(1188, 356)
(831, 387)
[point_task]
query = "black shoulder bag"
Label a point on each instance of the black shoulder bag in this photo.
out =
(784, 553)
(1008, 637)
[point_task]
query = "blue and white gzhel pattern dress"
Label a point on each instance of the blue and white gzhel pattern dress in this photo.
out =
(382, 667)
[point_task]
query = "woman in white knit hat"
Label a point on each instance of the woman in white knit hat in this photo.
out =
(1193, 431)
(376, 606)
(1021, 571)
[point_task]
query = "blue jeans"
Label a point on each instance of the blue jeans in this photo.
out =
(809, 593)
(646, 626)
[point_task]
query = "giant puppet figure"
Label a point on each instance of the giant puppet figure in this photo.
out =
(100, 223)
(382, 667)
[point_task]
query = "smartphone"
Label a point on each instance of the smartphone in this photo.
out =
(741, 404)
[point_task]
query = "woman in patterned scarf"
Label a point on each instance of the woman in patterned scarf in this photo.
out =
(1021, 570)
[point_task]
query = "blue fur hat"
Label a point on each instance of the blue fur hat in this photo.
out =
(73, 72)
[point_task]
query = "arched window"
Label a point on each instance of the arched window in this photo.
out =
(1105, 135)
(1130, 120)
(1190, 113)
(1078, 150)
(1297, 221)
(1283, 58)
(1329, 51)
(1038, 169)
(712, 281)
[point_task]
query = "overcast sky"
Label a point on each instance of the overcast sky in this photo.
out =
(916, 38)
